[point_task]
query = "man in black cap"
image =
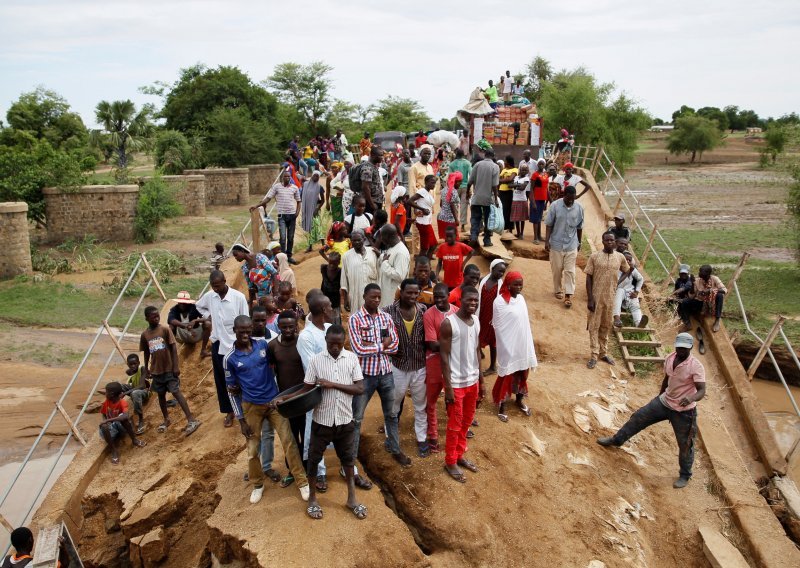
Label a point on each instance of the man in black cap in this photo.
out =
(619, 229)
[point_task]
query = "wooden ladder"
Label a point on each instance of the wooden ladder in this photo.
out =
(651, 342)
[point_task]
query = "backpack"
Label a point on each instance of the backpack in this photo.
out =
(354, 177)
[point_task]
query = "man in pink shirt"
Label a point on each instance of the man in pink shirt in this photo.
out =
(432, 322)
(684, 384)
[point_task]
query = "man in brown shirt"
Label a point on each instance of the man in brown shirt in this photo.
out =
(601, 286)
(162, 368)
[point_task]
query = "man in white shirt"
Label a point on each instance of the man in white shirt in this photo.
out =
(393, 264)
(629, 286)
(508, 83)
(222, 304)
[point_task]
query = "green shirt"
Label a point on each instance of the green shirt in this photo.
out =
(461, 165)
(135, 379)
(492, 92)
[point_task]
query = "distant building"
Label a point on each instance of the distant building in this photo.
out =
(753, 130)
(662, 128)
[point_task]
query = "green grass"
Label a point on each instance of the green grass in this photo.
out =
(768, 287)
(52, 304)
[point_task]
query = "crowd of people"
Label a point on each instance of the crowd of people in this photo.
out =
(410, 328)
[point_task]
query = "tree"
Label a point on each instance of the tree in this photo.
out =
(172, 151)
(537, 72)
(127, 130)
(27, 169)
(576, 101)
(305, 87)
(682, 112)
(776, 138)
(714, 113)
(735, 121)
(793, 205)
(694, 135)
(658, 122)
(232, 138)
(396, 113)
(47, 116)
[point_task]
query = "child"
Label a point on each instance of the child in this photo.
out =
(519, 201)
(268, 303)
(138, 389)
(337, 241)
(161, 367)
(116, 420)
(399, 209)
(285, 272)
(218, 257)
(453, 256)
(359, 219)
(373, 234)
(331, 283)
(285, 301)
(423, 216)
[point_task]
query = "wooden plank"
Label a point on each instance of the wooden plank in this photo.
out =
(153, 276)
(627, 356)
(113, 337)
(6, 524)
(720, 552)
(71, 424)
(640, 342)
(649, 244)
(646, 359)
(597, 152)
(637, 329)
(762, 351)
(255, 229)
(738, 271)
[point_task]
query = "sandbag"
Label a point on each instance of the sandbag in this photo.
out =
(441, 137)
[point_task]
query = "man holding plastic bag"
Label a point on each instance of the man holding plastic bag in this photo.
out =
(482, 187)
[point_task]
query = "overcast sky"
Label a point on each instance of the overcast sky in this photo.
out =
(663, 54)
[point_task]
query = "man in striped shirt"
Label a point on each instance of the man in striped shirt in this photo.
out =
(373, 338)
(408, 364)
(338, 372)
(247, 371)
(287, 195)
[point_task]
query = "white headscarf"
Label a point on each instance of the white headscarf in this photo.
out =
(398, 192)
(483, 281)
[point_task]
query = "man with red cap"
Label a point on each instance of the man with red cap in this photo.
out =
(516, 355)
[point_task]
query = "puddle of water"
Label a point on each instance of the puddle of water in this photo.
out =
(772, 396)
(27, 485)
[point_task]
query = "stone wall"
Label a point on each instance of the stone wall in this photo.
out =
(262, 177)
(190, 192)
(104, 211)
(225, 186)
(15, 245)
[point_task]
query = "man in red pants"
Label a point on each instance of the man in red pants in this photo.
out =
(432, 321)
(463, 381)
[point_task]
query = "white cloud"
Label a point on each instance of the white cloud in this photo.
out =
(663, 54)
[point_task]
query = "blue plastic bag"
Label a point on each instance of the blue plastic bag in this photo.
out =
(496, 222)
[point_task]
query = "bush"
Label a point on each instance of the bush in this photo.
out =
(156, 203)
(173, 152)
(793, 204)
(164, 263)
(45, 263)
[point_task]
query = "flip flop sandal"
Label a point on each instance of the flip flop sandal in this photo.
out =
(525, 410)
(360, 512)
(362, 482)
(469, 465)
(568, 303)
(474, 422)
(321, 484)
(559, 295)
(191, 427)
(115, 461)
(273, 475)
(162, 428)
(502, 417)
(608, 359)
(140, 430)
(314, 511)
(140, 443)
(618, 324)
(228, 422)
(460, 477)
(592, 363)
(287, 481)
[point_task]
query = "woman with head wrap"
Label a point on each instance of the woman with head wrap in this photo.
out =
(347, 193)
(563, 153)
(259, 273)
(312, 199)
(399, 216)
(449, 203)
(285, 272)
(516, 355)
(335, 191)
(487, 292)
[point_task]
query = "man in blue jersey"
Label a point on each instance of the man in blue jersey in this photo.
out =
(247, 373)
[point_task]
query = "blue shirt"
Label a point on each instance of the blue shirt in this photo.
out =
(251, 372)
(565, 222)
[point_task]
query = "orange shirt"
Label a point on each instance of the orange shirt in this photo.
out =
(399, 215)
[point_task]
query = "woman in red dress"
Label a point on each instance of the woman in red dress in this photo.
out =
(488, 289)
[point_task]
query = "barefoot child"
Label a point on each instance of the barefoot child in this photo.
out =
(161, 367)
(285, 300)
(138, 390)
(453, 256)
(116, 420)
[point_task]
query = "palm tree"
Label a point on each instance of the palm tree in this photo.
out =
(126, 130)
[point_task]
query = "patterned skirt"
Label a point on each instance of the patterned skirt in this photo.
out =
(519, 211)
